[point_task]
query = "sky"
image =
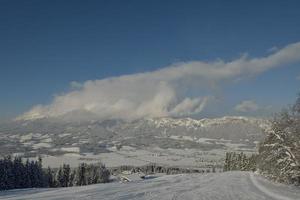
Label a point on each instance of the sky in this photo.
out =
(133, 59)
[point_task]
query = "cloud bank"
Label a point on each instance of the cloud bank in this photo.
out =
(247, 106)
(160, 93)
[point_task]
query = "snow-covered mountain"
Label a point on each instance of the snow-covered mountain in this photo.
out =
(54, 135)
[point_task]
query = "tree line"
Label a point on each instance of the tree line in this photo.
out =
(16, 174)
(153, 168)
(240, 161)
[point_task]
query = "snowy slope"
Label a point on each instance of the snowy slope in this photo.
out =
(218, 186)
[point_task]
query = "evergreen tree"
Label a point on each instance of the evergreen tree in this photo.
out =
(17, 174)
(41, 180)
(81, 175)
(239, 161)
(60, 177)
(2, 175)
(18, 171)
(49, 177)
(94, 174)
(72, 178)
(34, 174)
(9, 175)
(66, 175)
(104, 174)
(27, 175)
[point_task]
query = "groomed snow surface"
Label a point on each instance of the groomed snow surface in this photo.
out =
(215, 186)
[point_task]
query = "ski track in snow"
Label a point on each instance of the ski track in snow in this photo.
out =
(213, 186)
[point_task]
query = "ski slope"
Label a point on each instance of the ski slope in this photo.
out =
(215, 186)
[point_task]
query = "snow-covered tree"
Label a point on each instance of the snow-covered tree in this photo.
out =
(81, 175)
(279, 154)
(59, 177)
(66, 175)
(239, 161)
(104, 174)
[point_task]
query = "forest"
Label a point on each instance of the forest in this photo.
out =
(15, 174)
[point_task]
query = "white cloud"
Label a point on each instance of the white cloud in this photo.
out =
(247, 106)
(190, 106)
(161, 92)
(298, 77)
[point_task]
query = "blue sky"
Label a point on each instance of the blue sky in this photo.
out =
(45, 45)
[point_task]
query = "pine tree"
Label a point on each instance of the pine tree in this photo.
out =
(225, 167)
(60, 177)
(9, 175)
(35, 174)
(41, 181)
(18, 171)
(72, 178)
(104, 174)
(66, 175)
(240, 161)
(27, 179)
(49, 177)
(17, 174)
(81, 175)
(95, 174)
(230, 161)
(2, 175)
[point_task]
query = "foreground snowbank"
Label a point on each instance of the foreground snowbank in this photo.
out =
(223, 186)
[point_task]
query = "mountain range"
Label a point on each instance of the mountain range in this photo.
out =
(55, 136)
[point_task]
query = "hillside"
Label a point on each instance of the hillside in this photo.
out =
(222, 186)
(53, 136)
(166, 141)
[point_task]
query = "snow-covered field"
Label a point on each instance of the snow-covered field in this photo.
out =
(56, 137)
(216, 186)
(138, 157)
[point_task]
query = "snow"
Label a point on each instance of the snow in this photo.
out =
(130, 177)
(27, 137)
(138, 157)
(54, 162)
(47, 140)
(215, 186)
(64, 135)
(71, 149)
(206, 122)
(270, 193)
(17, 154)
(41, 145)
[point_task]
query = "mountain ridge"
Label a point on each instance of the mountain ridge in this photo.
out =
(50, 135)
